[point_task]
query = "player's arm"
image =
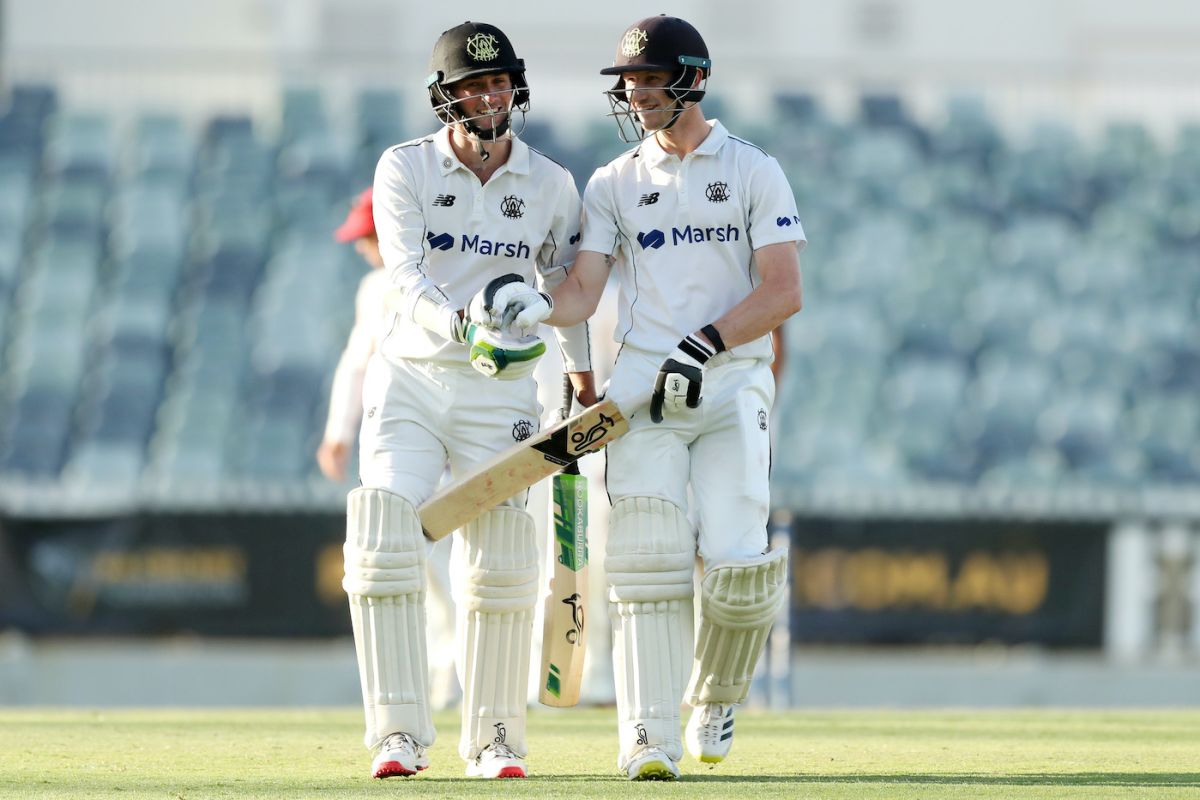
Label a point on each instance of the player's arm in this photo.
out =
(576, 298)
(555, 258)
(400, 225)
(770, 303)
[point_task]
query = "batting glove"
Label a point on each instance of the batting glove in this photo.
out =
(681, 376)
(484, 308)
(524, 307)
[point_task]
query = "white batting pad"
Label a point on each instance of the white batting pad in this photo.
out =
(738, 603)
(385, 580)
(494, 571)
(650, 558)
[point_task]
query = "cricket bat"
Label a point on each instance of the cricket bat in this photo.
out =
(519, 467)
(564, 643)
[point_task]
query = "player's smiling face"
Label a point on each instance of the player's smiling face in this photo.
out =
(648, 97)
(484, 99)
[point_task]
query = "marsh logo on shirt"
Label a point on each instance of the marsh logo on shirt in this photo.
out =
(440, 241)
(689, 234)
(474, 243)
(784, 222)
(651, 239)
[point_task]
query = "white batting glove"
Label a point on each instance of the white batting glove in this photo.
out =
(681, 377)
(524, 307)
(484, 308)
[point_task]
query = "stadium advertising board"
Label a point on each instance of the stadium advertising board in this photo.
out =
(947, 581)
(223, 575)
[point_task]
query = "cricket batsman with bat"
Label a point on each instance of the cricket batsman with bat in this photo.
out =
(459, 214)
(702, 231)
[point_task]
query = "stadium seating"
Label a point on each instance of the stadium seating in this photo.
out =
(983, 309)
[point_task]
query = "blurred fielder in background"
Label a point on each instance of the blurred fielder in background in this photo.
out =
(370, 317)
(459, 214)
(704, 235)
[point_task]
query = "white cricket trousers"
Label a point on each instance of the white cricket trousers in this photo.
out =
(419, 415)
(722, 448)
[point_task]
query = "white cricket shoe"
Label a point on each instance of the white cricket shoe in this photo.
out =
(709, 732)
(650, 763)
(496, 761)
(399, 755)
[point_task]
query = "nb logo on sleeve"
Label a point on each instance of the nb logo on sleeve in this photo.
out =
(648, 199)
(444, 200)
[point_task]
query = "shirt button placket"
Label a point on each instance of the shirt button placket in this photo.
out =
(477, 204)
(681, 184)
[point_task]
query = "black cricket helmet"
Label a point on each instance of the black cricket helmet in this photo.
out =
(466, 51)
(662, 43)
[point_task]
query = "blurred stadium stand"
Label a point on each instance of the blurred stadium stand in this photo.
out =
(981, 312)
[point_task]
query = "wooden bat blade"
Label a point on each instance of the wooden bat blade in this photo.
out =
(564, 638)
(519, 467)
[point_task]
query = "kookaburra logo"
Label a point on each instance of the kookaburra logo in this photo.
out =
(717, 192)
(642, 736)
(575, 635)
(483, 47)
(634, 42)
(581, 441)
(501, 733)
(512, 207)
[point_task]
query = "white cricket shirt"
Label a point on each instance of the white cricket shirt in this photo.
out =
(683, 234)
(435, 220)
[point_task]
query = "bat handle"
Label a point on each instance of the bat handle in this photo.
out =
(568, 396)
(568, 400)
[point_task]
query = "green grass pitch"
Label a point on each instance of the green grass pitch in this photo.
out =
(192, 754)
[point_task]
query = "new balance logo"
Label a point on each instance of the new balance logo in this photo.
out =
(648, 199)
(440, 241)
(444, 200)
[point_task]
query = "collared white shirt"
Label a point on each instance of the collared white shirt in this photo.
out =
(436, 221)
(683, 234)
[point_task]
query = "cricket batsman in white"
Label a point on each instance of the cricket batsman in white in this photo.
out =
(702, 230)
(459, 214)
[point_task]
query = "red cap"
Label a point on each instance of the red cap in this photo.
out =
(359, 222)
